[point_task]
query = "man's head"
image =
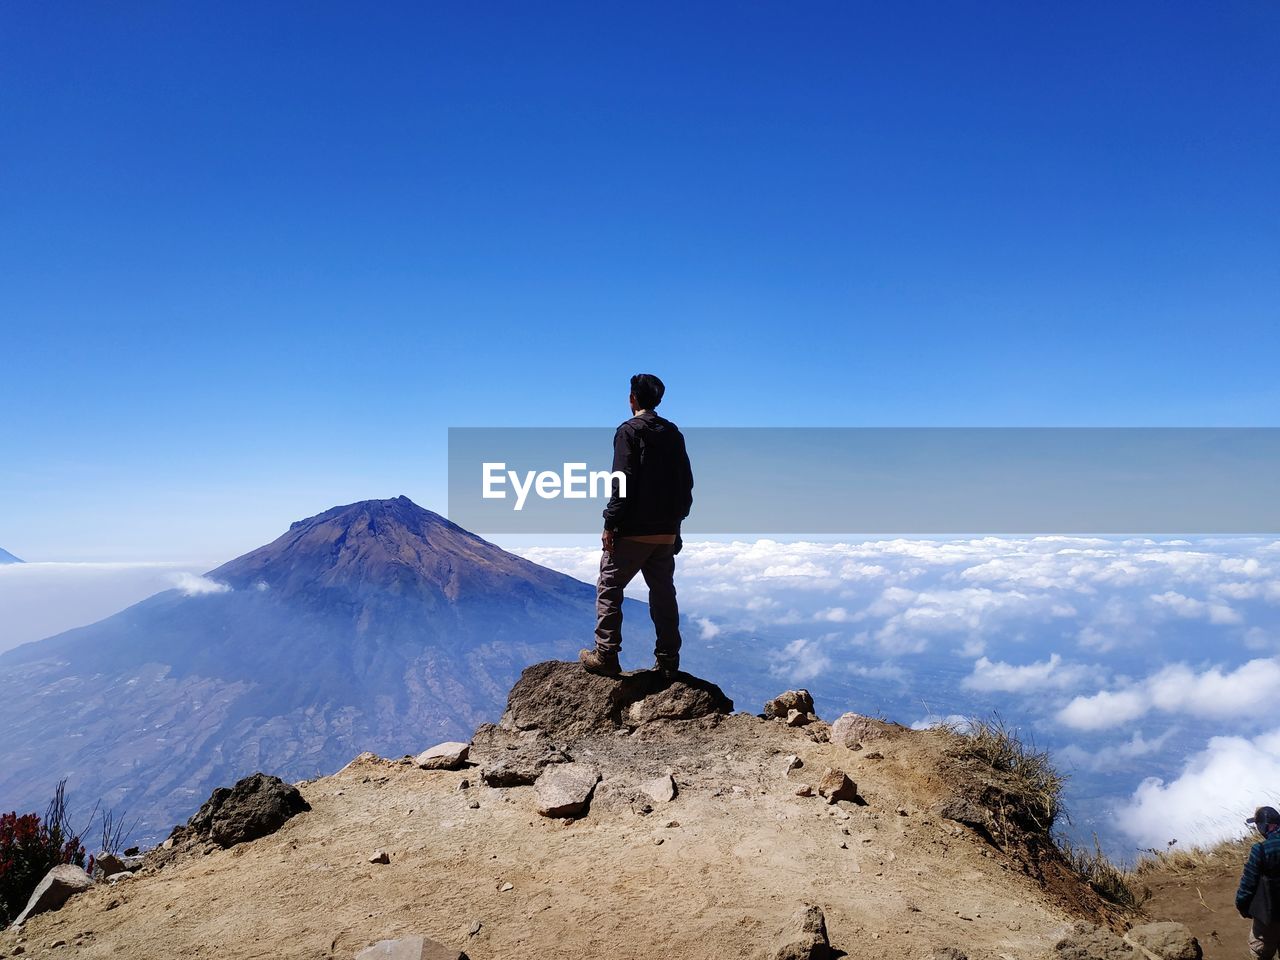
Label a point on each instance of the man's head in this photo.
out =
(1265, 820)
(646, 392)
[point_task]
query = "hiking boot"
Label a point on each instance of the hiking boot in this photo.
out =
(668, 667)
(601, 664)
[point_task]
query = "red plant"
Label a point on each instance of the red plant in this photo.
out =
(30, 847)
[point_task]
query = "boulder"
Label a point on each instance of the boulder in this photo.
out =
(964, 811)
(563, 702)
(565, 789)
(58, 886)
(851, 729)
(660, 790)
(410, 948)
(836, 785)
(679, 701)
(804, 937)
(444, 756)
(1168, 941)
(1084, 941)
(513, 758)
(255, 807)
(798, 700)
(105, 864)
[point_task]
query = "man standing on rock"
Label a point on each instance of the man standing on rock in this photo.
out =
(1258, 898)
(642, 530)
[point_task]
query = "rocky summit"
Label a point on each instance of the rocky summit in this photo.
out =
(630, 818)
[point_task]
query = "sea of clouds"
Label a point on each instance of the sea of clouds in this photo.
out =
(1149, 668)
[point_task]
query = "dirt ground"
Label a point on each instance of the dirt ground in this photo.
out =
(1202, 896)
(711, 874)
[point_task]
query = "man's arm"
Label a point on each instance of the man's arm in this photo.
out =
(1249, 880)
(624, 463)
(686, 480)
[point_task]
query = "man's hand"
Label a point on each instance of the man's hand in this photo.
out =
(606, 541)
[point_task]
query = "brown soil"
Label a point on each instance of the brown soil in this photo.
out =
(1201, 893)
(713, 874)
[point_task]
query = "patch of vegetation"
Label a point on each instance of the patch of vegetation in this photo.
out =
(1026, 772)
(1174, 859)
(30, 847)
(1111, 882)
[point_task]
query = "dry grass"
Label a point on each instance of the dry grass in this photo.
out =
(1027, 772)
(1111, 882)
(1193, 859)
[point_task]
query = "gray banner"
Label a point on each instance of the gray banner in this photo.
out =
(877, 481)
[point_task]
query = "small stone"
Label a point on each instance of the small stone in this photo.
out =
(475, 927)
(507, 886)
(835, 785)
(57, 943)
(793, 763)
(380, 856)
(474, 804)
(804, 937)
(781, 706)
(660, 790)
(564, 789)
(410, 948)
(671, 823)
(843, 845)
(902, 811)
(168, 844)
(657, 841)
(444, 756)
(464, 784)
(874, 755)
(797, 718)
(804, 790)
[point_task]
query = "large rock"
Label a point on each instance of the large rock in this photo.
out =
(799, 700)
(410, 948)
(565, 703)
(804, 937)
(1084, 941)
(1168, 941)
(852, 729)
(565, 789)
(255, 807)
(513, 758)
(58, 886)
(443, 756)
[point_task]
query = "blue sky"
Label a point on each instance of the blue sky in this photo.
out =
(256, 259)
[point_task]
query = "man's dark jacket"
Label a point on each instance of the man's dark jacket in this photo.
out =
(1259, 893)
(650, 452)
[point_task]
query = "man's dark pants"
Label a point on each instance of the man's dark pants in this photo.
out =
(657, 562)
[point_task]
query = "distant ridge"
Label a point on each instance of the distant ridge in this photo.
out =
(7, 557)
(372, 626)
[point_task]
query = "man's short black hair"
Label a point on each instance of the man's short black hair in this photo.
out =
(647, 389)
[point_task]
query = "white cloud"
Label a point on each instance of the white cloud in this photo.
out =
(1214, 693)
(1191, 608)
(708, 628)
(194, 585)
(1115, 756)
(992, 676)
(1208, 801)
(801, 660)
(42, 599)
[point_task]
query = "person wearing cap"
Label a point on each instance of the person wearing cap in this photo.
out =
(1258, 898)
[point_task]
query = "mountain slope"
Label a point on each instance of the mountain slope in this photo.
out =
(376, 625)
(7, 557)
(714, 871)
